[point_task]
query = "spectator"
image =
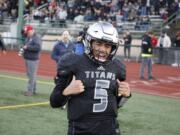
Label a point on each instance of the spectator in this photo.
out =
(79, 18)
(164, 42)
(120, 4)
(145, 23)
(143, 8)
(177, 50)
(61, 14)
(99, 10)
(154, 40)
(89, 15)
(52, 9)
(126, 10)
(97, 87)
(2, 46)
(70, 14)
(146, 55)
(1, 14)
(31, 55)
(36, 14)
(79, 47)
(127, 45)
(133, 11)
(61, 47)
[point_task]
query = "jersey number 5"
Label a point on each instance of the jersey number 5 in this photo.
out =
(101, 93)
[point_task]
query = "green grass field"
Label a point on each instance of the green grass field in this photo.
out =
(141, 115)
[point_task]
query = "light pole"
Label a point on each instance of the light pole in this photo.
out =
(20, 20)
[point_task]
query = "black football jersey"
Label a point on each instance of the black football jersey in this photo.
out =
(99, 99)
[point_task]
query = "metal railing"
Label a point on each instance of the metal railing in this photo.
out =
(168, 58)
(171, 19)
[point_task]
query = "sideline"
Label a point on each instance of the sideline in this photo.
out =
(23, 79)
(23, 105)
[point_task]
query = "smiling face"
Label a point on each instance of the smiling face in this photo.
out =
(101, 50)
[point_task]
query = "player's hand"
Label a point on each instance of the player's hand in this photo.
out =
(25, 47)
(123, 89)
(75, 87)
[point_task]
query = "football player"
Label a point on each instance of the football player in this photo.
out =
(93, 84)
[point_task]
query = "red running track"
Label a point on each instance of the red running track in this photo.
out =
(166, 83)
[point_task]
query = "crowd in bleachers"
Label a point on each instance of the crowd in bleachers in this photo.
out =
(79, 11)
(8, 8)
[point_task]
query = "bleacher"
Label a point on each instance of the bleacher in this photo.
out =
(51, 32)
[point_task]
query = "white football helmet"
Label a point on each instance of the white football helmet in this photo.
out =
(102, 31)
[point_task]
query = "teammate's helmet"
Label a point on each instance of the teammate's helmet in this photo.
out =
(102, 31)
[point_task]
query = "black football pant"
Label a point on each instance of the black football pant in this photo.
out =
(93, 127)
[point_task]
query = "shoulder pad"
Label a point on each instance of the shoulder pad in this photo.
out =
(67, 62)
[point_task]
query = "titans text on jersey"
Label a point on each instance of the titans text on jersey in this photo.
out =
(99, 99)
(100, 75)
